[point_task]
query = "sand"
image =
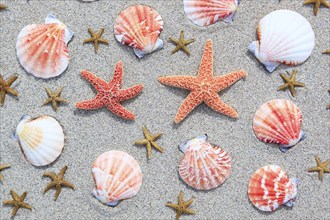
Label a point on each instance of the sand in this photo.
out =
(90, 133)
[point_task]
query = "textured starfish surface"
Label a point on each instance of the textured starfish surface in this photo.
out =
(290, 82)
(57, 181)
(321, 168)
(5, 88)
(96, 38)
(110, 94)
(181, 44)
(326, 52)
(149, 141)
(317, 4)
(204, 87)
(182, 206)
(54, 98)
(2, 167)
(17, 202)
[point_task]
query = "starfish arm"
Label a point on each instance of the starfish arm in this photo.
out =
(96, 46)
(11, 80)
(174, 40)
(12, 91)
(49, 186)
(146, 132)
(186, 42)
(89, 40)
(285, 78)
(101, 40)
(189, 211)
(326, 3)
(59, 99)
(97, 82)
(180, 199)
(9, 202)
(178, 214)
(2, 97)
(292, 91)
(325, 164)
(90, 104)
(186, 50)
(326, 170)
(22, 197)
(316, 7)
(14, 195)
(49, 100)
(118, 75)
(100, 33)
(141, 142)
(62, 172)
(149, 150)
(176, 49)
(58, 92)
(206, 67)
(298, 84)
(192, 100)
(14, 212)
(321, 175)
(2, 81)
(221, 82)
(4, 166)
(58, 191)
(217, 105)
(50, 175)
(174, 206)
(68, 184)
(1, 177)
(314, 169)
(318, 161)
(309, 2)
(188, 203)
(283, 87)
(155, 136)
(183, 82)
(129, 93)
(54, 104)
(120, 111)
(26, 206)
(155, 145)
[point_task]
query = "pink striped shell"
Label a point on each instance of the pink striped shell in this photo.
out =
(117, 176)
(270, 187)
(139, 26)
(206, 12)
(42, 48)
(204, 166)
(279, 121)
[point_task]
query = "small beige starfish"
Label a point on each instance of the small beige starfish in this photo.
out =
(57, 181)
(182, 207)
(2, 167)
(317, 4)
(17, 202)
(5, 88)
(96, 39)
(181, 43)
(54, 98)
(321, 168)
(290, 82)
(149, 141)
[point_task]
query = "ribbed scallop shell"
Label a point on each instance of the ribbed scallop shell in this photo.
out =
(206, 12)
(285, 37)
(41, 139)
(204, 166)
(270, 187)
(117, 176)
(42, 48)
(279, 121)
(139, 26)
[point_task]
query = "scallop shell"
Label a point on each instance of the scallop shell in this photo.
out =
(41, 139)
(117, 176)
(42, 48)
(284, 37)
(204, 166)
(270, 187)
(206, 12)
(139, 26)
(279, 121)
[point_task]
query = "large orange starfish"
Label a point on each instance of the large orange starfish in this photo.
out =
(110, 94)
(204, 87)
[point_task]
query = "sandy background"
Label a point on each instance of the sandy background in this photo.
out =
(90, 133)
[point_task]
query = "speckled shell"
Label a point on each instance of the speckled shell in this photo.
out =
(139, 27)
(41, 139)
(117, 176)
(279, 121)
(284, 37)
(206, 12)
(270, 187)
(204, 166)
(42, 48)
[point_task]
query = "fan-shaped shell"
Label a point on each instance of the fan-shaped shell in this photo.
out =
(41, 139)
(139, 26)
(204, 166)
(279, 121)
(270, 187)
(206, 12)
(42, 48)
(285, 37)
(117, 176)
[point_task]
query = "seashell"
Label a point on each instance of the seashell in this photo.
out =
(117, 176)
(279, 121)
(41, 139)
(284, 37)
(206, 12)
(42, 48)
(204, 166)
(139, 26)
(270, 187)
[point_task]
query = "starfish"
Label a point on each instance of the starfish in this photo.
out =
(322, 167)
(149, 141)
(5, 88)
(204, 87)
(110, 94)
(54, 98)
(317, 4)
(2, 167)
(96, 39)
(57, 181)
(17, 202)
(181, 44)
(181, 207)
(290, 82)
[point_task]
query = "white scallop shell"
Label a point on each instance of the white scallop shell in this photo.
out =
(41, 139)
(284, 37)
